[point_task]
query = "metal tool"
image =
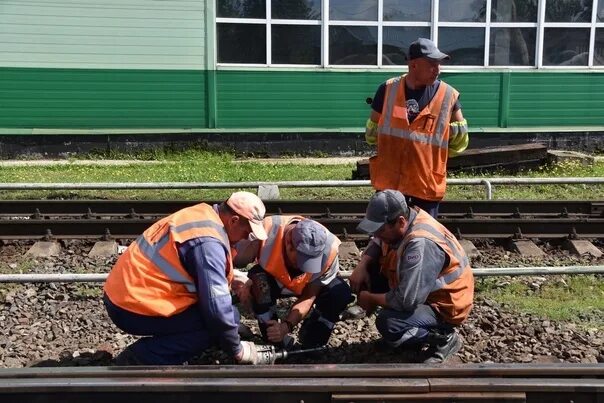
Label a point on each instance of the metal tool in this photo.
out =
(268, 354)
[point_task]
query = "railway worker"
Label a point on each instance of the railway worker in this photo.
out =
(173, 284)
(417, 271)
(299, 258)
(417, 123)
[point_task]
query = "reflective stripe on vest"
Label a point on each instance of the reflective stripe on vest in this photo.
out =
(448, 278)
(278, 268)
(269, 244)
(152, 251)
(437, 140)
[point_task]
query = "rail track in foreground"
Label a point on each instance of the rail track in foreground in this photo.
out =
(578, 383)
(97, 219)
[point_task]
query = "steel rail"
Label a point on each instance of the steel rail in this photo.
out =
(31, 208)
(473, 228)
(308, 384)
(533, 370)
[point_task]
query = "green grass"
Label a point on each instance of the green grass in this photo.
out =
(23, 266)
(205, 166)
(578, 299)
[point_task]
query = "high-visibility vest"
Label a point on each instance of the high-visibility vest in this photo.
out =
(452, 295)
(272, 253)
(149, 278)
(412, 157)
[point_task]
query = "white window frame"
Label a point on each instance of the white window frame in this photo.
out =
(434, 26)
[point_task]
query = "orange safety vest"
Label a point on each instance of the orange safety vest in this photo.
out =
(453, 293)
(412, 157)
(149, 278)
(272, 253)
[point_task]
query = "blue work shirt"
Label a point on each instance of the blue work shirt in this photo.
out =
(205, 260)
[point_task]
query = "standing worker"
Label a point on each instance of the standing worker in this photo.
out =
(298, 258)
(419, 273)
(416, 121)
(173, 284)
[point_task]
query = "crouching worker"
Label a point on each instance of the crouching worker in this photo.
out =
(173, 284)
(299, 258)
(418, 272)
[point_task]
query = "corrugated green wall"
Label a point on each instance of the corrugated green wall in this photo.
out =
(291, 100)
(81, 98)
(557, 99)
(334, 99)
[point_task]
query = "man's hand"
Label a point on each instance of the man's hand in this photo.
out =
(359, 279)
(255, 354)
(276, 331)
(367, 301)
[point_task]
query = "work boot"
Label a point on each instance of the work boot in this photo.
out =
(443, 347)
(353, 312)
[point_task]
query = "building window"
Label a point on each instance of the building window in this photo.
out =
(377, 33)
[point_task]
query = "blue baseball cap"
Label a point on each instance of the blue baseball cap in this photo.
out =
(426, 48)
(383, 207)
(309, 238)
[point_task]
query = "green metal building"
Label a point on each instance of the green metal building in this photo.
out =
(170, 66)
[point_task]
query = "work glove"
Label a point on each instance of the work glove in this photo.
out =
(256, 354)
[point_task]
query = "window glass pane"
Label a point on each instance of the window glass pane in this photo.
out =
(296, 9)
(462, 10)
(512, 47)
(464, 45)
(397, 40)
(407, 10)
(296, 44)
(353, 10)
(601, 10)
(514, 11)
(241, 43)
(599, 48)
(241, 8)
(568, 10)
(353, 45)
(565, 46)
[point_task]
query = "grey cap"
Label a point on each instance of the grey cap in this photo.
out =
(383, 206)
(309, 238)
(426, 48)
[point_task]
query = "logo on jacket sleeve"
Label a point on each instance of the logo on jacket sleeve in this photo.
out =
(412, 258)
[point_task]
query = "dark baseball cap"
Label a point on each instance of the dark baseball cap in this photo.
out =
(384, 206)
(426, 48)
(309, 238)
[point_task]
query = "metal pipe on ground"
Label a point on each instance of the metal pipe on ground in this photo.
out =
(478, 272)
(486, 182)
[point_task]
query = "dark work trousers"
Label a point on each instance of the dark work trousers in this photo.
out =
(172, 340)
(318, 326)
(429, 206)
(398, 327)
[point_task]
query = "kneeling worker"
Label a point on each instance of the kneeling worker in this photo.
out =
(173, 284)
(299, 258)
(418, 272)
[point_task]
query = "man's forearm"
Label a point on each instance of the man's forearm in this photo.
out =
(303, 305)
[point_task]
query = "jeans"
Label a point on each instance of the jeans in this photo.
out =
(429, 206)
(410, 327)
(318, 326)
(170, 340)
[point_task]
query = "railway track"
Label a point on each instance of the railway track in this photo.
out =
(309, 383)
(96, 219)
